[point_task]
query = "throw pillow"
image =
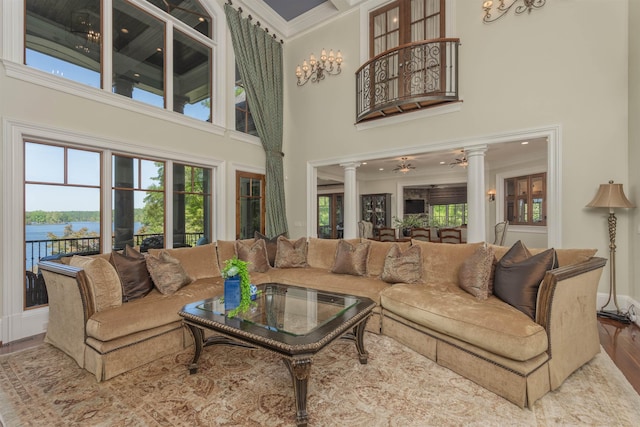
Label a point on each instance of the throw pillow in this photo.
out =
(167, 273)
(516, 281)
(255, 254)
(103, 281)
(474, 275)
(272, 245)
(131, 267)
(291, 254)
(351, 258)
(402, 267)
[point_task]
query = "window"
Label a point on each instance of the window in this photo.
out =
(405, 21)
(331, 216)
(62, 208)
(191, 204)
(250, 204)
(138, 202)
(452, 215)
(68, 42)
(525, 200)
(244, 119)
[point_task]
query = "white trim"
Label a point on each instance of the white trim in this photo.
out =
(554, 173)
(15, 322)
(425, 112)
(244, 137)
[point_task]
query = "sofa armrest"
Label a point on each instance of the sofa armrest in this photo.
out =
(567, 310)
(69, 308)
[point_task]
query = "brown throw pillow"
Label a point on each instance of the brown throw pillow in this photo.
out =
(402, 267)
(351, 259)
(272, 245)
(291, 254)
(255, 254)
(167, 273)
(516, 281)
(103, 280)
(476, 271)
(131, 267)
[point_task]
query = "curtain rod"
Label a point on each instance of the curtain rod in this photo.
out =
(275, 37)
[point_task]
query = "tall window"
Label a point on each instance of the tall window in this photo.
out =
(526, 200)
(405, 21)
(452, 215)
(138, 202)
(244, 119)
(191, 205)
(250, 204)
(67, 41)
(62, 207)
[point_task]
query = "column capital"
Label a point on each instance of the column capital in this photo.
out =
(476, 150)
(350, 165)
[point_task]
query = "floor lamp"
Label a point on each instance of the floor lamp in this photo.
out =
(611, 196)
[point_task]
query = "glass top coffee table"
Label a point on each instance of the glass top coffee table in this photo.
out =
(292, 321)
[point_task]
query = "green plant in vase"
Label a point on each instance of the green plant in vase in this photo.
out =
(235, 267)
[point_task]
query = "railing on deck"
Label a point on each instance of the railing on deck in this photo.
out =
(35, 250)
(408, 77)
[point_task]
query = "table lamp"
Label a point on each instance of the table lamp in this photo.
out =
(612, 196)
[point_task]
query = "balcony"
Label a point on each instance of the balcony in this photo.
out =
(407, 78)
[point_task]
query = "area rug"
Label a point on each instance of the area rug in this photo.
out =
(240, 387)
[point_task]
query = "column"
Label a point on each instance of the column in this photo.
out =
(350, 200)
(476, 227)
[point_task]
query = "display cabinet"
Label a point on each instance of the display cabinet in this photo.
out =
(376, 208)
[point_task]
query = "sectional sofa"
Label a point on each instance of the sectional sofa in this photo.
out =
(428, 297)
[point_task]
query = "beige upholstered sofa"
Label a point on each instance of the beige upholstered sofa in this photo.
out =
(488, 341)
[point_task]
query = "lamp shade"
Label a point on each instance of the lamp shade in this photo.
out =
(610, 196)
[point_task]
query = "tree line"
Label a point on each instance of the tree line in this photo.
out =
(63, 217)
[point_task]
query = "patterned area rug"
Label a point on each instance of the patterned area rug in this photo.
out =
(240, 387)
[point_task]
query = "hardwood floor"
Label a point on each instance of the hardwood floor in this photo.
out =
(620, 341)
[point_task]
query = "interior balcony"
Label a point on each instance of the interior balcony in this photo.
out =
(409, 77)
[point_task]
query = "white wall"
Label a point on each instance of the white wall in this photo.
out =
(523, 72)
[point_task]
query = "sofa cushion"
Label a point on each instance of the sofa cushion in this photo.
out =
(166, 272)
(272, 245)
(517, 280)
(441, 262)
(566, 257)
(475, 274)
(103, 280)
(378, 253)
(322, 252)
(290, 253)
(255, 254)
(131, 267)
(402, 266)
(351, 258)
(491, 324)
(198, 262)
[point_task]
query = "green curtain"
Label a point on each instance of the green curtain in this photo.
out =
(259, 59)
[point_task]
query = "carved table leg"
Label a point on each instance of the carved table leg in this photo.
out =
(197, 338)
(300, 369)
(358, 331)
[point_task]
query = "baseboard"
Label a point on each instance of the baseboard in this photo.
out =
(624, 302)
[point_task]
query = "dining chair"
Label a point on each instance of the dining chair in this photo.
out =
(450, 235)
(386, 234)
(501, 233)
(421, 234)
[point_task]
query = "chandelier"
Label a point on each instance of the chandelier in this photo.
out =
(87, 25)
(315, 70)
(506, 5)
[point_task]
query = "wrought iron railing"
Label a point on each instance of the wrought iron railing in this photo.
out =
(408, 77)
(35, 250)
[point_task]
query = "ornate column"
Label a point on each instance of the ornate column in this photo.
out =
(350, 200)
(476, 227)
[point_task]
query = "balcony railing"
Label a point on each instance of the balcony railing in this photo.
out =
(35, 250)
(408, 77)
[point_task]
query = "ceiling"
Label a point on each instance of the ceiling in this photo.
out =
(290, 17)
(437, 167)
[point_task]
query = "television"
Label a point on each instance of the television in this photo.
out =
(415, 206)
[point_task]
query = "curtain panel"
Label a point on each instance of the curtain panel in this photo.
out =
(259, 59)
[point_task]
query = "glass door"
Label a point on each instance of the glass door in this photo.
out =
(330, 216)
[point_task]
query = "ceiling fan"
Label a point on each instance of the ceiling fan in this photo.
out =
(404, 167)
(462, 161)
